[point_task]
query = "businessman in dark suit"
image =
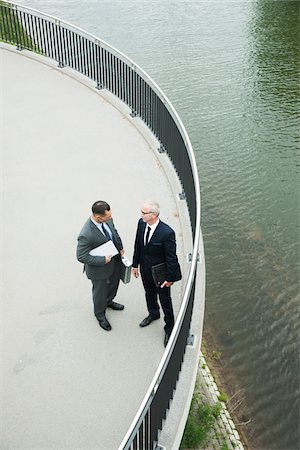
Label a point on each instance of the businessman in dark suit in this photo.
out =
(155, 243)
(103, 271)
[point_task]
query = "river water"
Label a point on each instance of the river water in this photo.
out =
(231, 69)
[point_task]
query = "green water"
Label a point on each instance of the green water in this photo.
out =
(231, 69)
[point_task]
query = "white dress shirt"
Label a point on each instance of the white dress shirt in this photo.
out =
(152, 229)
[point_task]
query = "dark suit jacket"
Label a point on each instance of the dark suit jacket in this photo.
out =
(91, 237)
(161, 248)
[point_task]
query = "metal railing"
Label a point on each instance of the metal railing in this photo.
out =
(109, 69)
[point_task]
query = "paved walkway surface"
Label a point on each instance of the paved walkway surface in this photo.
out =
(66, 383)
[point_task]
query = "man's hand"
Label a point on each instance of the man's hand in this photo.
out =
(166, 284)
(135, 272)
(108, 259)
(122, 252)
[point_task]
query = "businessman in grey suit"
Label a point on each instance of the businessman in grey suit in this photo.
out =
(103, 271)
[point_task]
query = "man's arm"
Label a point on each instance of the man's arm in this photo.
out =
(137, 247)
(136, 254)
(83, 253)
(170, 256)
(117, 239)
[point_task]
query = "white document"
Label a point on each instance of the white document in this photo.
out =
(106, 249)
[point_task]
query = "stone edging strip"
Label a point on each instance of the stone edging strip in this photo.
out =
(225, 424)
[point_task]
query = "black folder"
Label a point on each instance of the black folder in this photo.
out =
(159, 273)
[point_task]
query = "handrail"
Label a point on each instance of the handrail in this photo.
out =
(111, 69)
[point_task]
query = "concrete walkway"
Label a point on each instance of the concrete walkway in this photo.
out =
(66, 383)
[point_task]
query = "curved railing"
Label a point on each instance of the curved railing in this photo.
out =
(111, 70)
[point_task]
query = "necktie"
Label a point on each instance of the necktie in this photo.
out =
(147, 235)
(105, 232)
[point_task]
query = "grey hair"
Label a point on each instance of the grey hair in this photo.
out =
(153, 205)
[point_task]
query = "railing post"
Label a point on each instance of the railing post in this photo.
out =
(161, 149)
(182, 195)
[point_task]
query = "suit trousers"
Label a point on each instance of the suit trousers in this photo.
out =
(105, 290)
(152, 294)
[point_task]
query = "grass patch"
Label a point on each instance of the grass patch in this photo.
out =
(223, 397)
(224, 447)
(200, 421)
(216, 354)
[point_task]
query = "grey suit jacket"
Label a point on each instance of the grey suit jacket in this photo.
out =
(91, 237)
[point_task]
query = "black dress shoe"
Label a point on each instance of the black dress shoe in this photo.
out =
(148, 320)
(116, 306)
(104, 323)
(166, 339)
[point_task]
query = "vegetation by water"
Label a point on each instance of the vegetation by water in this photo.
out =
(12, 30)
(200, 421)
